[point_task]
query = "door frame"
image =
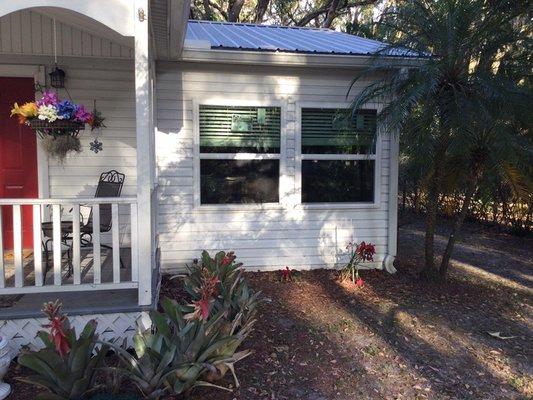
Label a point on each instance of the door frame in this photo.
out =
(38, 73)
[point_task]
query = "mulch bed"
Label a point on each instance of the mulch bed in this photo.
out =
(398, 337)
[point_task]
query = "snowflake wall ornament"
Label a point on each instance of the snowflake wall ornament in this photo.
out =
(96, 146)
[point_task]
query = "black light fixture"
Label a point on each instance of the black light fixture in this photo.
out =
(57, 78)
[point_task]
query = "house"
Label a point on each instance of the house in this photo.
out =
(230, 136)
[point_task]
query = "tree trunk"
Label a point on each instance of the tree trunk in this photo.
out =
(260, 10)
(454, 234)
(431, 217)
(234, 10)
(208, 11)
(332, 13)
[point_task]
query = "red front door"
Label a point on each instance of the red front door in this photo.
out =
(18, 157)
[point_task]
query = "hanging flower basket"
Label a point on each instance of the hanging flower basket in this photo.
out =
(58, 123)
(58, 127)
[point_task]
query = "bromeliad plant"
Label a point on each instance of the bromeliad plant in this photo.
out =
(359, 253)
(57, 122)
(180, 351)
(230, 288)
(67, 365)
(194, 344)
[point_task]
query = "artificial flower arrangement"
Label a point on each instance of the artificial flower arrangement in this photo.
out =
(57, 122)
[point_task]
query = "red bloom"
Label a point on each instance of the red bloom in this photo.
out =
(285, 274)
(359, 282)
(365, 251)
(202, 308)
(228, 259)
(57, 327)
(208, 291)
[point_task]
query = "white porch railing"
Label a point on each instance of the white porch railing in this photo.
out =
(79, 279)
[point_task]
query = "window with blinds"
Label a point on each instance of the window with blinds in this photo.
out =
(338, 155)
(334, 131)
(226, 129)
(239, 154)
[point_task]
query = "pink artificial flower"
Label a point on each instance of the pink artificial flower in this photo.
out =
(49, 98)
(82, 115)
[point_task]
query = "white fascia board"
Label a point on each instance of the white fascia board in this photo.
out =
(192, 54)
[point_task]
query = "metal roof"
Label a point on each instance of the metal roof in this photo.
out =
(253, 37)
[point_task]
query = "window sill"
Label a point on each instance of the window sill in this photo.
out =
(337, 206)
(240, 207)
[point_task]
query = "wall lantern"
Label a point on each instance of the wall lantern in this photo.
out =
(57, 78)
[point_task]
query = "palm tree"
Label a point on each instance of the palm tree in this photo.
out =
(468, 85)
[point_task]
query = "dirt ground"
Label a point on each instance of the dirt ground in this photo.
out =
(397, 337)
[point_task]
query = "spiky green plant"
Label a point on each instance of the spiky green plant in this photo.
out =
(233, 291)
(172, 357)
(67, 365)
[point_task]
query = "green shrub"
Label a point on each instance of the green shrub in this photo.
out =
(67, 365)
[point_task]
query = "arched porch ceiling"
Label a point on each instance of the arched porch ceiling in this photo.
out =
(114, 17)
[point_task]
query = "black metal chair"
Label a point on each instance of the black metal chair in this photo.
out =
(109, 185)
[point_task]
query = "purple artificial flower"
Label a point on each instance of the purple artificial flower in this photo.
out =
(49, 98)
(66, 110)
(82, 115)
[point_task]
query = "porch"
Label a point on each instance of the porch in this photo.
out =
(107, 63)
(66, 267)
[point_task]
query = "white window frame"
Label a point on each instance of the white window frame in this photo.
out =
(377, 157)
(282, 105)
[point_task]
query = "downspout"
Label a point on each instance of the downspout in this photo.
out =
(392, 234)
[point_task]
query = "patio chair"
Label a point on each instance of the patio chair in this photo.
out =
(109, 185)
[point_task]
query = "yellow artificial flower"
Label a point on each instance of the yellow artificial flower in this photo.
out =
(27, 110)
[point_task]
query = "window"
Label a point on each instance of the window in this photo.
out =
(338, 156)
(239, 154)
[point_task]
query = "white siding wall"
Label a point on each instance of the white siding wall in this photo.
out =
(28, 32)
(267, 238)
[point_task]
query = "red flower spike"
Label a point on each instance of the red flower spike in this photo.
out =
(57, 333)
(228, 259)
(359, 282)
(285, 274)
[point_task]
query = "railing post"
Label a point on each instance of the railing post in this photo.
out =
(115, 242)
(17, 245)
(56, 238)
(134, 243)
(37, 252)
(97, 259)
(76, 254)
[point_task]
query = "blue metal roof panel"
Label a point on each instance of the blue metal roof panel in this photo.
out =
(225, 35)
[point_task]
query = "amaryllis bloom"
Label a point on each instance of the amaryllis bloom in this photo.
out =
(285, 274)
(82, 115)
(49, 98)
(48, 113)
(66, 110)
(366, 251)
